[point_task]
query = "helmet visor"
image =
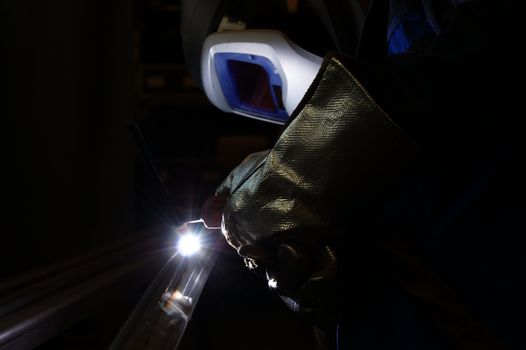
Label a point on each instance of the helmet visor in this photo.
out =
(251, 85)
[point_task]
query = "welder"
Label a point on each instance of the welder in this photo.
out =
(388, 210)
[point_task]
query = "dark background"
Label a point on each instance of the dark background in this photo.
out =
(75, 76)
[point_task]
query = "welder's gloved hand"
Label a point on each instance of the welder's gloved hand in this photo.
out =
(212, 211)
(287, 208)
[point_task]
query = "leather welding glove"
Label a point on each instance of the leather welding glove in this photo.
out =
(287, 208)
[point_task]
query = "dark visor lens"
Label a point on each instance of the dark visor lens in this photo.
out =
(251, 84)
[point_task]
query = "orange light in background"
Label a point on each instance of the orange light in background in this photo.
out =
(292, 6)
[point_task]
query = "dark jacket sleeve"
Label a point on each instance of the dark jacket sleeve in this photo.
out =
(461, 90)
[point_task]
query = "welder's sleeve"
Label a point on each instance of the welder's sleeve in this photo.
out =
(287, 207)
(458, 93)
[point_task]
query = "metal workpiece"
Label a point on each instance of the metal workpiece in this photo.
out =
(44, 302)
(160, 319)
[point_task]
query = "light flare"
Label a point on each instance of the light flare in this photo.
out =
(188, 244)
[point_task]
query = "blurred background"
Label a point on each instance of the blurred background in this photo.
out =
(95, 96)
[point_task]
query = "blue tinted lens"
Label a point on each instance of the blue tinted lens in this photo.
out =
(251, 85)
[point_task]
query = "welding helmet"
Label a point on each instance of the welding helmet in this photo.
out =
(258, 74)
(246, 65)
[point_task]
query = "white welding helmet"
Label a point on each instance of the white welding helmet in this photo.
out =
(245, 69)
(256, 73)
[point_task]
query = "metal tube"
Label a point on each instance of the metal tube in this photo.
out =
(160, 318)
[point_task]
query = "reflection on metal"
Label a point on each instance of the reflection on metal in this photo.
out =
(39, 304)
(159, 320)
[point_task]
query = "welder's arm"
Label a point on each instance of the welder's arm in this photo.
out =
(283, 211)
(460, 92)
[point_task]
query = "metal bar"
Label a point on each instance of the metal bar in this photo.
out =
(39, 311)
(160, 319)
(42, 273)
